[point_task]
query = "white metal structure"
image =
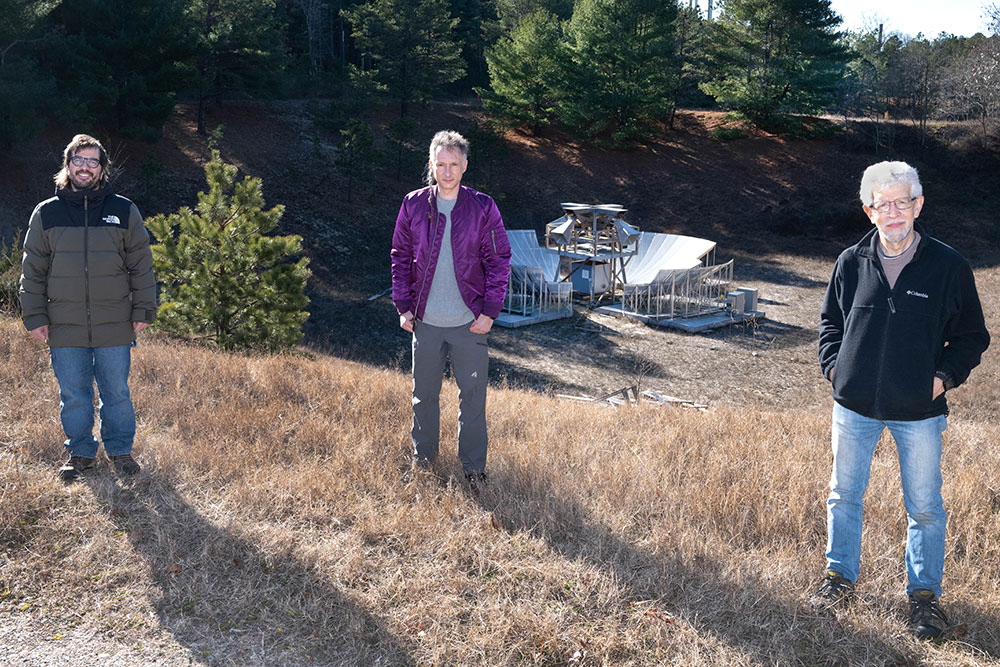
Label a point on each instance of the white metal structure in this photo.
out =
(666, 279)
(535, 293)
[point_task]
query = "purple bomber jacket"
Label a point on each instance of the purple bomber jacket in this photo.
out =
(479, 244)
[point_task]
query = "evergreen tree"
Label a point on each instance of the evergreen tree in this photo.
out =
(511, 12)
(356, 155)
(622, 76)
(525, 72)
(238, 44)
(401, 133)
(26, 92)
(409, 45)
(473, 17)
(222, 278)
(10, 274)
(690, 42)
(771, 57)
(122, 61)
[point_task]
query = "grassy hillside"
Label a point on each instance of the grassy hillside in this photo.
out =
(783, 208)
(270, 526)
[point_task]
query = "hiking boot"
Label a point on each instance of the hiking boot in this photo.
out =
(835, 592)
(927, 619)
(74, 467)
(124, 464)
(477, 480)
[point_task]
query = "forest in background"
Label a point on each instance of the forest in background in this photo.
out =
(611, 72)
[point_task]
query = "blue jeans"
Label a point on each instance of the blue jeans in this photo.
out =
(76, 368)
(918, 444)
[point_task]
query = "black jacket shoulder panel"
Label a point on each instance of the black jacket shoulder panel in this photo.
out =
(105, 209)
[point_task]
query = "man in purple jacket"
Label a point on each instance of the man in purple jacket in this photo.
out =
(450, 264)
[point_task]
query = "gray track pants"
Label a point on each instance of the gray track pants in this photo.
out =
(469, 361)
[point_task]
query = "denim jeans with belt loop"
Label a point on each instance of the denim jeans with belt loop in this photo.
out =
(76, 369)
(918, 444)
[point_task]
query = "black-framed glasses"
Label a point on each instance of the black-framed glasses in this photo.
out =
(900, 204)
(79, 161)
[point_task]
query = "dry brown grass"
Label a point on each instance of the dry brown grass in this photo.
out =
(270, 526)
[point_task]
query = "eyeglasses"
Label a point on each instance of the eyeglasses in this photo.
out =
(79, 161)
(900, 204)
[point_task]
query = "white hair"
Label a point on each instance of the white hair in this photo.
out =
(889, 173)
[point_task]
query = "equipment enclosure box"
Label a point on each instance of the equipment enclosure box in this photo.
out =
(585, 273)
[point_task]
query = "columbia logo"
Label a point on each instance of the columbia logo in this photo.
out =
(112, 220)
(920, 294)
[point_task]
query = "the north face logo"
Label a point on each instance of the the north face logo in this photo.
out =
(112, 220)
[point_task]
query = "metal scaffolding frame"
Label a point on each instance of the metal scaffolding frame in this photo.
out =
(588, 235)
(680, 293)
(675, 281)
(528, 294)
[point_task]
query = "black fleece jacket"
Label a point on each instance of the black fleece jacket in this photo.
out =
(885, 345)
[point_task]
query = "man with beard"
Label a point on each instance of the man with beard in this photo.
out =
(87, 289)
(900, 326)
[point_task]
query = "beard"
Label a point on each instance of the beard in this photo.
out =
(88, 181)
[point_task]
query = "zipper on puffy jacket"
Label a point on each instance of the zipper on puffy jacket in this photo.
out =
(86, 268)
(493, 236)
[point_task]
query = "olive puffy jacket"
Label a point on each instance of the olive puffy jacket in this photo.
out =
(87, 270)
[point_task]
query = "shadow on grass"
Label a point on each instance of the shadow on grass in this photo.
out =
(750, 614)
(226, 600)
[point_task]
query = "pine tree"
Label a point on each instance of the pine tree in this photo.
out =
(238, 47)
(10, 274)
(622, 80)
(771, 57)
(26, 92)
(525, 70)
(356, 155)
(409, 44)
(121, 62)
(222, 278)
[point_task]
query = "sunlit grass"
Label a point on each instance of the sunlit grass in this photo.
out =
(270, 526)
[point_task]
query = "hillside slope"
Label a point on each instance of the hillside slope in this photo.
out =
(270, 526)
(781, 208)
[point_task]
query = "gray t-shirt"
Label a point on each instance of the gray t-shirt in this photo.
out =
(445, 307)
(894, 265)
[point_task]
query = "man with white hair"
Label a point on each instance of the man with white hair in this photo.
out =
(900, 326)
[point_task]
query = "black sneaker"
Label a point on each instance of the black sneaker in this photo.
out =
(74, 467)
(835, 592)
(927, 619)
(124, 464)
(477, 480)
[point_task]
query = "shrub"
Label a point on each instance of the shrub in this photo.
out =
(222, 279)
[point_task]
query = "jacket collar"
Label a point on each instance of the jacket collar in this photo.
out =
(868, 246)
(93, 195)
(461, 195)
